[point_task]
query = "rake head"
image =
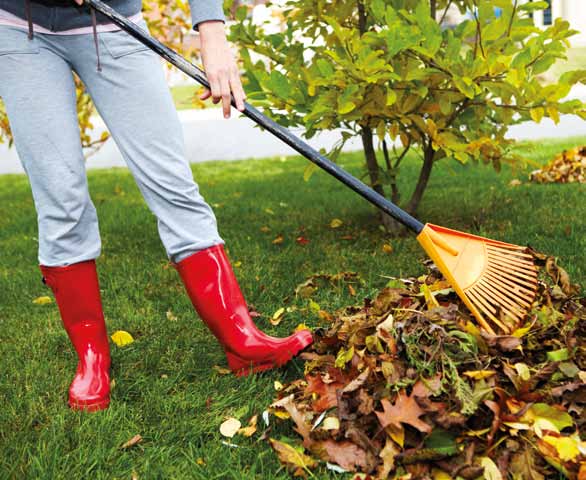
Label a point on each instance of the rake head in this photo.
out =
(496, 280)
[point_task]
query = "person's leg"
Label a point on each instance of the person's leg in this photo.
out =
(132, 96)
(38, 90)
(37, 87)
(134, 100)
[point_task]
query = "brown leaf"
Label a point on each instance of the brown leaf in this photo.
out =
(523, 465)
(405, 410)
(449, 420)
(302, 427)
(560, 276)
(424, 387)
(293, 458)
(387, 454)
(365, 402)
(344, 453)
(504, 343)
(279, 239)
(326, 392)
(357, 382)
(132, 442)
(496, 422)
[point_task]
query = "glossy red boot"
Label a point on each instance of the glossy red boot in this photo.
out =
(77, 293)
(215, 294)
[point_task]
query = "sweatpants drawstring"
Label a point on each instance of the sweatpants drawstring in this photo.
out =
(29, 18)
(96, 42)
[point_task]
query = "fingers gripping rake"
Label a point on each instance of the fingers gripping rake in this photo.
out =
(497, 281)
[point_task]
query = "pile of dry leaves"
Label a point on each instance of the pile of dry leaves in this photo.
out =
(406, 386)
(567, 167)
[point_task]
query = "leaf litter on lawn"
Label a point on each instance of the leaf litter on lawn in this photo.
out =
(567, 167)
(420, 392)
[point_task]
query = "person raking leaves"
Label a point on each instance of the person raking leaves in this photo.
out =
(42, 43)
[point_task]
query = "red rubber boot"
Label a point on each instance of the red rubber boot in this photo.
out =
(77, 293)
(215, 294)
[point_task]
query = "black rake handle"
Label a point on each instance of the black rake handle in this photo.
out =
(251, 112)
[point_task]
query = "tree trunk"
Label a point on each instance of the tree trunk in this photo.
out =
(371, 160)
(424, 174)
(395, 228)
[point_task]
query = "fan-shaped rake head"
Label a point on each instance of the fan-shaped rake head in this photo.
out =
(494, 279)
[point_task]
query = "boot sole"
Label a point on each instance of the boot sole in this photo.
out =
(90, 407)
(241, 367)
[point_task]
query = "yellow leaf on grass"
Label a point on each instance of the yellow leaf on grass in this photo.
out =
(292, 457)
(278, 316)
(222, 370)
(300, 327)
(251, 428)
(122, 338)
(336, 223)
(387, 248)
(42, 300)
(230, 427)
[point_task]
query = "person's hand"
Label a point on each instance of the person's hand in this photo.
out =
(79, 2)
(220, 67)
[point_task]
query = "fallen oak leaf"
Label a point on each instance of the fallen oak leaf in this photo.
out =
(404, 410)
(345, 454)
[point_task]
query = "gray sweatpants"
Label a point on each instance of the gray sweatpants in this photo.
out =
(131, 95)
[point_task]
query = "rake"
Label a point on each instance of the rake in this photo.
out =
(497, 281)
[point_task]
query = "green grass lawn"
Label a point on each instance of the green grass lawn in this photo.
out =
(165, 386)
